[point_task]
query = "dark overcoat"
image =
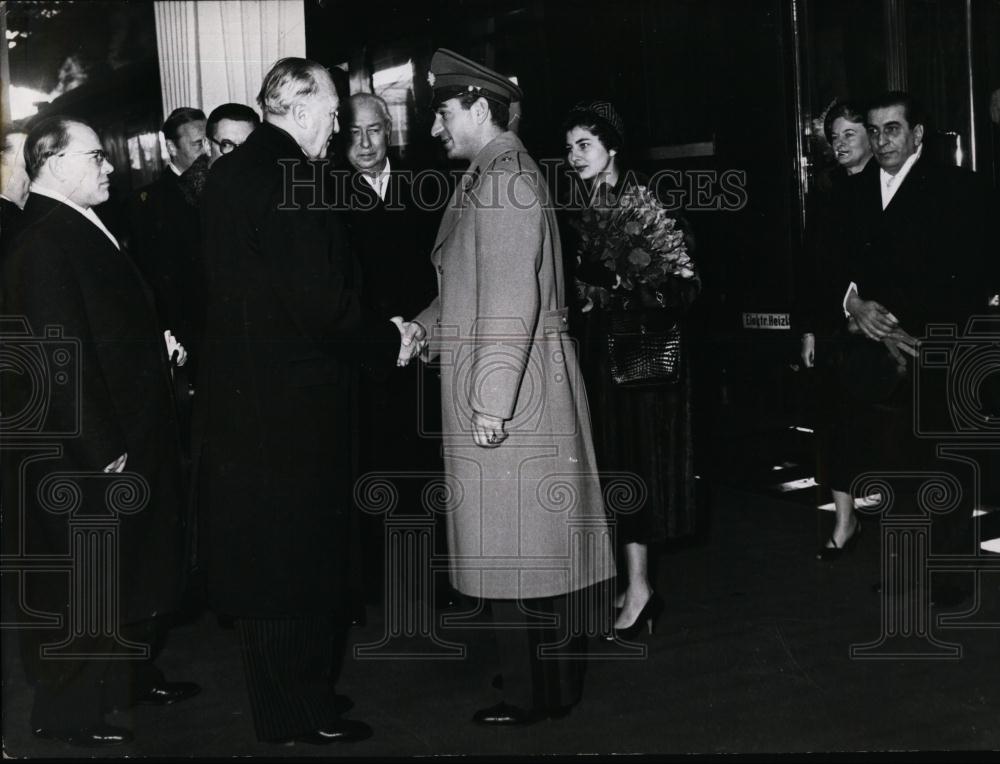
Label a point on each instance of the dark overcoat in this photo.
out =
(928, 257)
(164, 235)
(62, 271)
(525, 519)
(392, 239)
(285, 326)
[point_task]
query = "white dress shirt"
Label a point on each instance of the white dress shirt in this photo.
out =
(888, 185)
(87, 212)
(379, 182)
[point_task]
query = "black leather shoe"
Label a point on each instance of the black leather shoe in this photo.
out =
(168, 693)
(505, 715)
(91, 737)
(341, 731)
(832, 552)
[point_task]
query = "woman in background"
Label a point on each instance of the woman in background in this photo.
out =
(646, 431)
(820, 312)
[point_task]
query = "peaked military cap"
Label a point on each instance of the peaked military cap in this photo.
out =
(452, 75)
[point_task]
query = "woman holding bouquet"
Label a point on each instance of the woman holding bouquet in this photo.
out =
(643, 431)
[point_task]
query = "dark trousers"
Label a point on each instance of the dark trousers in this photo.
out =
(75, 693)
(541, 644)
(286, 662)
(884, 438)
(398, 421)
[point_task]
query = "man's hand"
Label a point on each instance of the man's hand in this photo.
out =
(809, 350)
(487, 430)
(118, 464)
(175, 350)
(899, 342)
(873, 319)
(412, 339)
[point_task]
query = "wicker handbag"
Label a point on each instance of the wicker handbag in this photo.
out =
(644, 347)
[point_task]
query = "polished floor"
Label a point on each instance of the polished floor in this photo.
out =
(753, 655)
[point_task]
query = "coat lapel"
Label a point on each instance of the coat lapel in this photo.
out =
(452, 214)
(504, 142)
(87, 237)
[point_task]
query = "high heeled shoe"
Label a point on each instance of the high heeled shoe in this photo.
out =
(647, 617)
(834, 552)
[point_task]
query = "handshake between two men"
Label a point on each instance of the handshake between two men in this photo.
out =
(487, 431)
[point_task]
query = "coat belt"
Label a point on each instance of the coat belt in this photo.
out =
(555, 321)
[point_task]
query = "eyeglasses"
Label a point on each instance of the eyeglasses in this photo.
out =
(100, 156)
(225, 145)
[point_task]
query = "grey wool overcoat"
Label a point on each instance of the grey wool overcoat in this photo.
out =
(525, 519)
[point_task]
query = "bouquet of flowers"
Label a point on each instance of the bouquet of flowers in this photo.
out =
(637, 241)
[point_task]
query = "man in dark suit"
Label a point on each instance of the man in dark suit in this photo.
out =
(65, 270)
(164, 236)
(285, 326)
(920, 258)
(392, 237)
(229, 125)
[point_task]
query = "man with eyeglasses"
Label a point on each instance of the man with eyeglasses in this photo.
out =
(66, 271)
(228, 126)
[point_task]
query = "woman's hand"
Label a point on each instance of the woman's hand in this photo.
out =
(809, 350)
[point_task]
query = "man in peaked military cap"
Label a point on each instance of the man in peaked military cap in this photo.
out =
(523, 485)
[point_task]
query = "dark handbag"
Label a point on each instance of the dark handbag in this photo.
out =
(644, 347)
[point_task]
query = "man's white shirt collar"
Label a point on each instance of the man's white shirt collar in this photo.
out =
(87, 212)
(174, 169)
(380, 181)
(889, 184)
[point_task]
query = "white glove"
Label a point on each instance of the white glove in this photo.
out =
(173, 346)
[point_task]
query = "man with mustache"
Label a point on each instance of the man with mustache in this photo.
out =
(515, 417)
(920, 256)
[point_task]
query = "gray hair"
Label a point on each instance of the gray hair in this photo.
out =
(289, 80)
(370, 99)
